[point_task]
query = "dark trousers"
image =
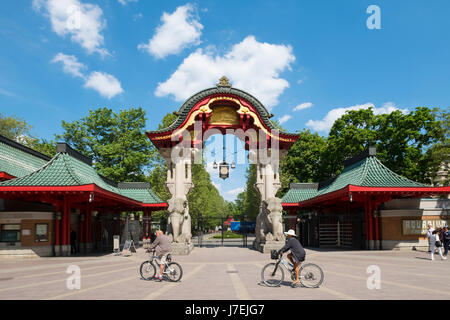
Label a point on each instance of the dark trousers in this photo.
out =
(446, 247)
(73, 248)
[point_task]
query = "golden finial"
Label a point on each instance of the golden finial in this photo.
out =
(224, 82)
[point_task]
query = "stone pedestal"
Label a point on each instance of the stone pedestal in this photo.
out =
(377, 245)
(57, 250)
(82, 247)
(268, 246)
(65, 250)
(89, 247)
(371, 244)
(182, 248)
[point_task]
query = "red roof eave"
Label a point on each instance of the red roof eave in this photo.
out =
(84, 188)
(345, 192)
(427, 190)
(5, 176)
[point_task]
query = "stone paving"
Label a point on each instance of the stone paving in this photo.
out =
(229, 273)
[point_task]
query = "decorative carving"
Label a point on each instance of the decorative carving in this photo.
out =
(224, 115)
(224, 82)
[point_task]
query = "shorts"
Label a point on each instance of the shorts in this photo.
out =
(163, 258)
(297, 260)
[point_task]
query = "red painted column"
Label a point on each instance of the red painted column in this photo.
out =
(366, 216)
(88, 223)
(370, 220)
(63, 222)
(57, 225)
(376, 222)
(68, 220)
(149, 233)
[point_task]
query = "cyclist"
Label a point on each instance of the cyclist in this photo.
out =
(297, 254)
(162, 248)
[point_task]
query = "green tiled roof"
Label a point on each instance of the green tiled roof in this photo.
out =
(18, 160)
(66, 170)
(142, 195)
(300, 192)
(367, 172)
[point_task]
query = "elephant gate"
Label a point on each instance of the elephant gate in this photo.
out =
(223, 110)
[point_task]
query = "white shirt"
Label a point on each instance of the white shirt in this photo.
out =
(430, 232)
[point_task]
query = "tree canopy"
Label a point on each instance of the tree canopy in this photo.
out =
(115, 141)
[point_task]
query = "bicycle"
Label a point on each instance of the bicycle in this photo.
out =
(172, 270)
(310, 274)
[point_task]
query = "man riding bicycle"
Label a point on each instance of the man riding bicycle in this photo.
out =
(297, 254)
(162, 248)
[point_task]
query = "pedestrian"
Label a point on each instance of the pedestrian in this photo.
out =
(446, 240)
(73, 242)
(435, 240)
(429, 233)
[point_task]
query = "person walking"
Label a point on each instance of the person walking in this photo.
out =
(73, 242)
(446, 240)
(435, 240)
(429, 233)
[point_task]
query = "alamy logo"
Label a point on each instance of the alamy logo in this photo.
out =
(374, 280)
(374, 20)
(74, 281)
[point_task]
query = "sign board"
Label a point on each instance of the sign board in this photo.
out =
(420, 227)
(128, 248)
(26, 232)
(116, 243)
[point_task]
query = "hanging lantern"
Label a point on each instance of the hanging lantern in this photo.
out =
(224, 170)
(215, 165)
(233, 165)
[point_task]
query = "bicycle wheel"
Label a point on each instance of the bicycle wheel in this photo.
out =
(174, 271)
(147, 270)
(272, 277)
(311, 275)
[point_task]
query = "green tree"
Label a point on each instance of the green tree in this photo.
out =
(401, 140)
(116, 142)
(252, 199)
(16, 129)
(303, 161)
(439, 153)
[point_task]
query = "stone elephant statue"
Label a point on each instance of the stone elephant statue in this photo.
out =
(179, 221)
(269, 226)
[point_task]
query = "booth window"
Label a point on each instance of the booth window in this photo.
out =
(10, 233)
(41, 232)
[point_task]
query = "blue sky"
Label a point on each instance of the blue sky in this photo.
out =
(307, 61)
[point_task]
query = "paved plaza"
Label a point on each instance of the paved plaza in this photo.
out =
(229, 273)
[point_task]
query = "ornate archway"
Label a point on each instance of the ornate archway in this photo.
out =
(223, 109)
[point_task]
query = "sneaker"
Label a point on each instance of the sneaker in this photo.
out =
(444, 258)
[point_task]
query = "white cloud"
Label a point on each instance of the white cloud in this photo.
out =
(178, 31)
(125, 2)
(70, 64)
(82, 21)
(302, 106)
(235, 192)
(284, 118)
(250, 65)
(105, 84)
(326, 123)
